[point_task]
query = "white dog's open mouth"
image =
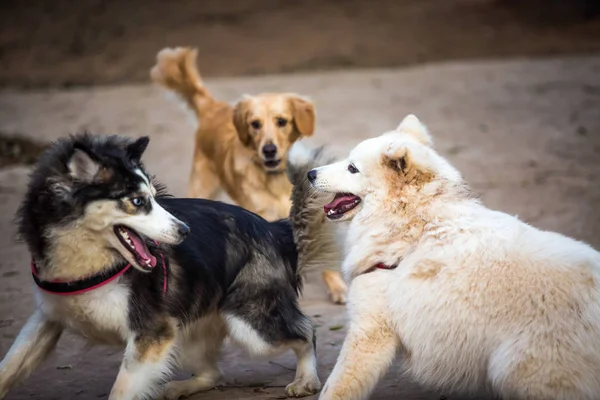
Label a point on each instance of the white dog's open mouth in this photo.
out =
(136, 245)
(340, 205)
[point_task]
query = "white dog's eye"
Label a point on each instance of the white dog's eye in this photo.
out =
(353, 169)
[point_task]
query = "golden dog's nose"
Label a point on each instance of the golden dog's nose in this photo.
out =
(269, 151)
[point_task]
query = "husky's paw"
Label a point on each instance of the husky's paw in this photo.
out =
(303, 387)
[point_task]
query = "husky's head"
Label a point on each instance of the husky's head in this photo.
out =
(384, 170)
(96, 187)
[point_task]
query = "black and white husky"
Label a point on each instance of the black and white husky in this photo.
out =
(119, 262)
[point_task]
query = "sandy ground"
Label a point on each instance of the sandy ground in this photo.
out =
(526, 135)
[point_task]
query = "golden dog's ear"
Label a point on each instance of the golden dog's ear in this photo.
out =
(240, 119)
(304, 115)
(411, 125)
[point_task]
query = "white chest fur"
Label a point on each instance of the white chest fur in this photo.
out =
(99, 315)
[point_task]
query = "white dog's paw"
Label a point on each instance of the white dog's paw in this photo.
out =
(303, 387)
(172, 391)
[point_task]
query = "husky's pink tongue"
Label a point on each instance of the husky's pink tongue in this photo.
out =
(142, 250)
(338, 201)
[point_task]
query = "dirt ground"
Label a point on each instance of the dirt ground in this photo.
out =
(524, 131)
(526, 135)
(85, 42)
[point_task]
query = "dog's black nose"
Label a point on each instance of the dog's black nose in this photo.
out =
(183, 229)
(269, 150)
(312, 175)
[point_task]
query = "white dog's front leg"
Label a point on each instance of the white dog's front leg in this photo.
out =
(370, 346)
(146, 362)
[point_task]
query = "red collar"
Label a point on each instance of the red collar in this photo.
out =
(71, 288)
(384, 266)
(379, 266)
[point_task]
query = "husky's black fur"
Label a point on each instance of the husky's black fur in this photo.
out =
(232, 263)
(52, 199)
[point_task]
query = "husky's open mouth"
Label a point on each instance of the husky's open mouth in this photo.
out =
(340, 205)
(136, 246)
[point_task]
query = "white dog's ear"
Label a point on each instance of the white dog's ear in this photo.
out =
(396, 156)
(407, 159)
(411, 125)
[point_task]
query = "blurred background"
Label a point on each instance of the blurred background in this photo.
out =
(65, 43)
(510, 90)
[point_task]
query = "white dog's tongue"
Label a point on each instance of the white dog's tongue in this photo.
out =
(339, 200)
(142, 250)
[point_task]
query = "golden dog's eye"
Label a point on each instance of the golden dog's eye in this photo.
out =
(255, 124)
(281, 122)
(352, 169)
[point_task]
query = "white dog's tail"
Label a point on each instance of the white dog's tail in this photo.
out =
(317, 239)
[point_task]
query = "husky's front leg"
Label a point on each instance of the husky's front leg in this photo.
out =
(370, 346)
(35, 341)
(147, 360)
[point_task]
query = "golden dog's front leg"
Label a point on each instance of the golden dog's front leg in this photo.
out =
(336, 287)
(147, 361)
(370, 346)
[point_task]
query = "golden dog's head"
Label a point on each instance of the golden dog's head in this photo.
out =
(270, 123)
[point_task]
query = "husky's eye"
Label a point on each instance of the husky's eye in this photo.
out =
(255, 124)
(138, 201)
(352, 169)
(281, 122)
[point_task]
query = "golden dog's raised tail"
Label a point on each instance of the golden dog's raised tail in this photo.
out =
(176, 70)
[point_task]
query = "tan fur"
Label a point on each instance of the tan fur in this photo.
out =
(336, 286)
(76, 253)
(427, 269)
(153, 348)
(227, 148)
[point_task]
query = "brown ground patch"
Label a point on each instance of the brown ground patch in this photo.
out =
(15, 149)
(65, 43)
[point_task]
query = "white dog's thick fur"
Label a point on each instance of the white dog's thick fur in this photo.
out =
(479, 301)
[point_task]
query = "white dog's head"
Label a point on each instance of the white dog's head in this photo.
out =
(385, 171)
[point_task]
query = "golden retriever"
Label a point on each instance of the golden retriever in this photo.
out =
(242, 149)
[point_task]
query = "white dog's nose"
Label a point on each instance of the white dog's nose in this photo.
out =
(312, 175)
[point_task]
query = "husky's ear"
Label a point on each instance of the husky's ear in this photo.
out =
(82, 166)
(411, 125)
(137, 148)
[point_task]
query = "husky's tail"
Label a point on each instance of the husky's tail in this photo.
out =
(176, 70)
(318, 241)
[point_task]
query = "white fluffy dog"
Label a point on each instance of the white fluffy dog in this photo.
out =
(474, 299)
